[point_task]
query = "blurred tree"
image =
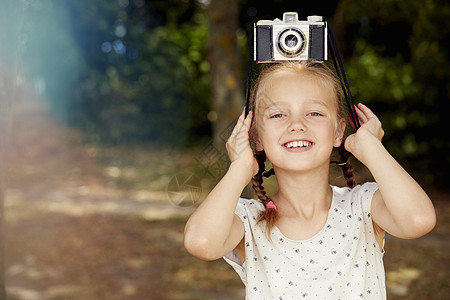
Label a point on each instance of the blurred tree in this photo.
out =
(145, 76)
(224, 58)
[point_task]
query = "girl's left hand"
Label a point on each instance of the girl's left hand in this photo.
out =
(370, 132)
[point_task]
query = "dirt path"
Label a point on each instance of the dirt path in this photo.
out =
(50, 169)
(58, 199)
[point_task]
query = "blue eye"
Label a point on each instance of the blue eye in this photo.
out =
(314, 114)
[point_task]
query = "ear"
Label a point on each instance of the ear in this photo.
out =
(258, 145)
(339, 132)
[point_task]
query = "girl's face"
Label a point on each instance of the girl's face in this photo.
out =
(297, 122)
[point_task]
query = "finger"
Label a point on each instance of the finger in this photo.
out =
(245, 122)
(361, 116)
(239, 123)
(248, 121)
(367, 112)
(235, 130)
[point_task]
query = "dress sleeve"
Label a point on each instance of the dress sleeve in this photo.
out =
(244, 210)
(366, 193)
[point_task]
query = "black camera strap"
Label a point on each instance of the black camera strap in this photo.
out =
(339, 67)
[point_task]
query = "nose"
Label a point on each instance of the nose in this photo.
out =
(297, 125)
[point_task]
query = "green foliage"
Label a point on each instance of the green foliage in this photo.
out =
(399, 66)
(145, 76)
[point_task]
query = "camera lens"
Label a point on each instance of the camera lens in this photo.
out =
(291, 42)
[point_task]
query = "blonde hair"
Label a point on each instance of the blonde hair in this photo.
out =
(323, 76)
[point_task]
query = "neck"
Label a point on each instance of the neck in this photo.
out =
(303, 193)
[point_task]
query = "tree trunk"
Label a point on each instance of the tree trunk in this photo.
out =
(339, 27)
(8, 92)
(224, 58)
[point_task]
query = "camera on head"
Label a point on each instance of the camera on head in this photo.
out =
(290, 39)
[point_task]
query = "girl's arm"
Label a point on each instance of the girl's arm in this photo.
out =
(400, 206)
(214, 230)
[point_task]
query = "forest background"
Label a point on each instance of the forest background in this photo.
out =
(113, 117)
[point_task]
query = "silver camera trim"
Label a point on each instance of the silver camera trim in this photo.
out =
(290, 21)
(286, 51)
(278, 36)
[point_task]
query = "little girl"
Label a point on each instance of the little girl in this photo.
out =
(310, 239)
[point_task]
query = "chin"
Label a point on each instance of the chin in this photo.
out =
(301, 167)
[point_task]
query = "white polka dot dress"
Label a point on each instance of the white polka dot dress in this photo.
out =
(342, 261)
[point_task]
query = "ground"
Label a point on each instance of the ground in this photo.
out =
(90, 222)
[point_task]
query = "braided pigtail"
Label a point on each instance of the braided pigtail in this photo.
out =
(270, 214)
(347, 168)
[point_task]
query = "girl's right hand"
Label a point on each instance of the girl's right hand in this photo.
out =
(238, 145)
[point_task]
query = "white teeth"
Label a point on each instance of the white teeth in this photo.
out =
(297, 144)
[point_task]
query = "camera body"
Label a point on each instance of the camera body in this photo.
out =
(290, 39)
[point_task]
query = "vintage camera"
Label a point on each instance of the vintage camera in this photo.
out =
(290, 39)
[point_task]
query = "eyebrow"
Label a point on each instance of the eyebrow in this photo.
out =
(278, 104)
(320, 102)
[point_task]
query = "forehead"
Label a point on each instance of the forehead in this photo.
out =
(293, 87)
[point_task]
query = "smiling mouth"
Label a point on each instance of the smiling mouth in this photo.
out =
(297, 144)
